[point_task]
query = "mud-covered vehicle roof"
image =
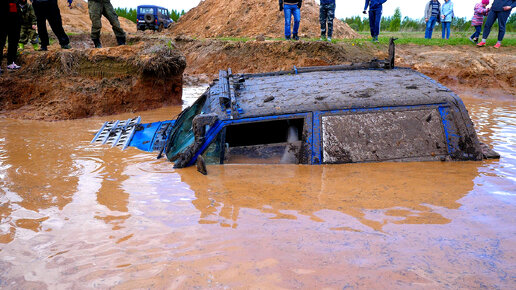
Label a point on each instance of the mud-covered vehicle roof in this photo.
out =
(322, 88)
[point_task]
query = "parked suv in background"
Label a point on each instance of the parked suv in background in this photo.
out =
(152, 17)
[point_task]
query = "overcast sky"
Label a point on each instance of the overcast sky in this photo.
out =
(345, 8)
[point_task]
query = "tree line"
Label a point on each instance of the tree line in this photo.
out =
(397, 23)
(131, 14)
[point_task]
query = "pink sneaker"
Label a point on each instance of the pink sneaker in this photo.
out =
(497, 45)
(481, 44)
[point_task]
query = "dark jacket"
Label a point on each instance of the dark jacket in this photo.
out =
(327, 2)
(498, 5)
(374, 4)
(9, 12)
(428, 11)
(290, 2)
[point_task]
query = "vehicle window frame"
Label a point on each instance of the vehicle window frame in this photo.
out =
(317, 149)
(212, 134)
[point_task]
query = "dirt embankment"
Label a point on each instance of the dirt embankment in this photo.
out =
(487, 72)
(250, 18)
(210, 55)
(78, 83)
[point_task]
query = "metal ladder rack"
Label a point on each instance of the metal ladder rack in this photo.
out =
(117, 133)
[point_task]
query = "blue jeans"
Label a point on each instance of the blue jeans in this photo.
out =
(446, 29)
(502, 20)
(289, 11)
(375, 18)
(430, 24)
(476, 34)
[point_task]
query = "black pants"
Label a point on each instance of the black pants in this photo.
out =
(11, 31)
(502, 17)
(48, 10)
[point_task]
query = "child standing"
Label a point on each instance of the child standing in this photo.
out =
(28, 25)
(446, 18)
(478, 19)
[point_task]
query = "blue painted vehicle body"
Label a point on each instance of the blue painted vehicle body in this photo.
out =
(152, 17)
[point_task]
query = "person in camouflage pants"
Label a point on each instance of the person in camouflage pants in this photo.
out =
(28, 25)
(97, 8)
(326, 16)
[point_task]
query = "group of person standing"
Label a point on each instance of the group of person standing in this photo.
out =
(437, 13)
(500, 10)
(292, 8)
(22, 22)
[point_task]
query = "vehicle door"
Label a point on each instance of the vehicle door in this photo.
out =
(380, 134)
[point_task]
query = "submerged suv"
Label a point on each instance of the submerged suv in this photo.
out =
(368, 112)
(152, 17)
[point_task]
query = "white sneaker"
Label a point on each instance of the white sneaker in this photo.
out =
(13, 66)
(329, 39)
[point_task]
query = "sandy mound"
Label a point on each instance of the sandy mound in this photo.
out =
(250, 18)
(77, 19)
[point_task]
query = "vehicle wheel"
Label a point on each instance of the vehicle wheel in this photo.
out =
(149, 18)
(160, 28)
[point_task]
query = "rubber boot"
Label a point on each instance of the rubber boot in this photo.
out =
(96, 43)
(120, 40)
(295, 37)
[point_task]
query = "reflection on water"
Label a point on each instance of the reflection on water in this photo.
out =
(76, 215)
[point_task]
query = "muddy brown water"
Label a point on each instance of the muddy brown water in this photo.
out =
(73, 215)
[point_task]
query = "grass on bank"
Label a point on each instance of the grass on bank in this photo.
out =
(417, 38)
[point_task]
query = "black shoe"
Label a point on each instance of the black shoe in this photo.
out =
(96, 43)
(287, 37)
(43, 48)
(295, 36)
(66, 46)
(120, 40)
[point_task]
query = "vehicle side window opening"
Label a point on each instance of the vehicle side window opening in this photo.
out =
(266, 142)
(147, 10)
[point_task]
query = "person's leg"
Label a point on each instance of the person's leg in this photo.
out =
(491, 17)
(476, 34)
(297, 20)
(448, 30)
(372, 17)
(13, 35)
(24, 35)
(331, 16)
(56, 23)
(443, 29)
(288, 16)
(323, 16)
(3, 38)
(112, 17)
(502, 21)
(95, 11)
(40, 9)
(378, 21)
(427, 30)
